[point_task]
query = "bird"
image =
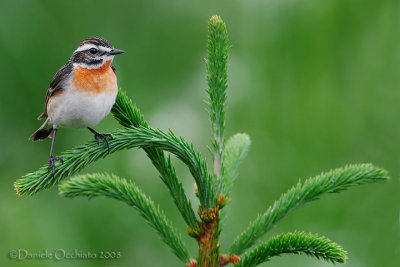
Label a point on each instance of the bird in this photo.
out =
(81, 93)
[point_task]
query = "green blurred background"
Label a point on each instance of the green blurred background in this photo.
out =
(316, 85)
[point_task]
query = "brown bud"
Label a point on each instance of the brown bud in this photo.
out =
(192, 263)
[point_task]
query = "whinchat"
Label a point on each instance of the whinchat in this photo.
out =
(81, 93)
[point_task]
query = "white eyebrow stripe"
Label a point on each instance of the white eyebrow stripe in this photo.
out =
(88, 46)
(103, 48)
(85, 47)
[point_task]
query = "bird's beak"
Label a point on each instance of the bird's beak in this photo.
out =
(116, 52)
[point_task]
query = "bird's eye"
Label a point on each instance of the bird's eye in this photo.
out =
(93, 51)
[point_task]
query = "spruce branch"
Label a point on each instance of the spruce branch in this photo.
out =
(295, 243)
(217, 78)
(333, 181)
(187, 154)
(236, 150)
(79, 157)
(93, 185)
(129, 115)
(216, 65)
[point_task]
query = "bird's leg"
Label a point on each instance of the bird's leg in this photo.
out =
(52, 159)
(97, 136)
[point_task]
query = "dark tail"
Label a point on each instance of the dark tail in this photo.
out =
(43, 132)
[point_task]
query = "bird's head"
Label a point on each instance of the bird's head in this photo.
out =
(93, 52)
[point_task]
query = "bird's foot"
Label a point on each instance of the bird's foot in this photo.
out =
(105, 137)
(52, 160)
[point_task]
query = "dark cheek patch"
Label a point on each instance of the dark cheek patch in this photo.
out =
(94, 61)
(84, 57)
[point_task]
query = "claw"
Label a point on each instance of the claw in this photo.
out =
(51, 164)
(105, 137)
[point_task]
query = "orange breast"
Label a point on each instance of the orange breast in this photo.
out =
(94, 81)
